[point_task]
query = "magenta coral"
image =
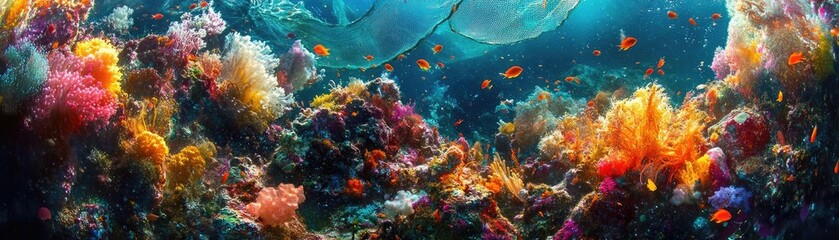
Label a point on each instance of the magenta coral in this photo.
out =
(277, 206)
(70, 101)
(720, 64)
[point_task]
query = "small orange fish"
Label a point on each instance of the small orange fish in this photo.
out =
(193, 6)
(54, 45)
(672, 15)
(595, 52)
(321, 50)
(813, 134)
(692, 22)
(834, 32)
(400, 57)
(512, 72)
(660, 63)
(224, 177)
(627, 43)
(423, 64)
(485, 84)
(836, 168)
(795, 58)
(458, 122)
(572, 79)
(440, 65)
(388, 67)
(157, 16)
(721, 216)
(780, 96)
(660, 72)
(204, 4)
(648, 73)
(437, 48)
(715, 16)
(369, 57)
(542, 96)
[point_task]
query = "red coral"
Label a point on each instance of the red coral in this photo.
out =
(354, 187)
(611, 167)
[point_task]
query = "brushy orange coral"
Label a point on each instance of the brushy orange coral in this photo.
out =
(649, 135)
(151, 146)
(186, 167)
(14, 14)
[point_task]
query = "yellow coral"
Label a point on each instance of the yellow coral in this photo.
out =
(512, 181)
(151, 146)
(15, 13)
(649, 135)
(506, 128)
(326, 101)
(97, 49)
(696, 170)
(185, 167)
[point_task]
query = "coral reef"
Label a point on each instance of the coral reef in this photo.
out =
(26, 72)
(275, 206)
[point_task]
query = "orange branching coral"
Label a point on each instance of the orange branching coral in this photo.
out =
(186, 167)
(101, 58)
(649, 135)
(373, 159)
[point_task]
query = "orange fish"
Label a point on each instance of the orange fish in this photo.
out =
(157, 16)
(660, 63)
(648, 73)
(458, 122)
(795, 58)
(54, 45)
(512, 72)
(437, 48)
(780, 96)
(193, 6)
(813, 134)
(692, 22)
(721, 216)
(400, 57)
(627, 43)
(485, 84)
(672, 15)
(660, 72)
(423, 64)
(834, 32)
(204, 4)
(440, 65)
(369, 57)
(572, 79)
(595, 52)
(320, 50)
(224, 177)
(715, 16)
(836, 168)
(388, 67)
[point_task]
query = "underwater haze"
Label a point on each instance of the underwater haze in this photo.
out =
(419, 119)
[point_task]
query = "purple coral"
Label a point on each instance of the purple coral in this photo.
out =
(400, 111)
(608, 185)
(297, 68)
(731, 197)
(720, 64)
(569, 230)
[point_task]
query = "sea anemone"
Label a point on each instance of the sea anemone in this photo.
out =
(26, 73)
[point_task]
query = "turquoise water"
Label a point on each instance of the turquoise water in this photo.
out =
(403, 119)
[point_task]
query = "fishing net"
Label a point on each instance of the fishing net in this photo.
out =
(504, 22)
(392, 27)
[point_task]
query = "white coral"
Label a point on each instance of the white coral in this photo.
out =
(402, 204)
(120, 20)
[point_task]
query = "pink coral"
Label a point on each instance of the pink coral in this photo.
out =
(70, 101)
(277, 206)
(720, 65)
